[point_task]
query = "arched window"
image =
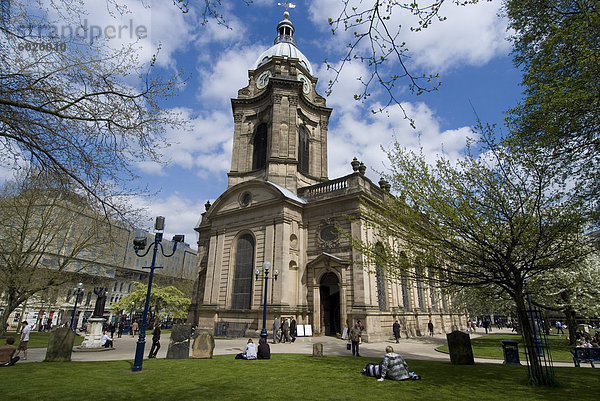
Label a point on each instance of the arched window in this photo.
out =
(404, 283)
(242, 280)
(420, 289)
(303, 150)
(433, 294)
(259, 155)
(380, 277)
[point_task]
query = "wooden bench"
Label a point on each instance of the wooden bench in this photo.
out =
(588, 355)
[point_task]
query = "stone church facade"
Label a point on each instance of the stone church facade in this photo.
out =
(281, 207)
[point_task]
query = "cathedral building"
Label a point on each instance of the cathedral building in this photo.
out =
(280, 207)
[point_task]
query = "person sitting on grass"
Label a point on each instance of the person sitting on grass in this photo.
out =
(393, 367)
(106, 341)
(249, 351)
(264, 351)
(7, 353)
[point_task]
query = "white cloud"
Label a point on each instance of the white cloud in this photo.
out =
(364, 136)
(472, 34)
(227, 74)
(143, 24)
(181, 215)
(204, 148)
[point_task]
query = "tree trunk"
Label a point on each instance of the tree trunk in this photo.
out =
(537, 374)
(11, 305)
(571, 324)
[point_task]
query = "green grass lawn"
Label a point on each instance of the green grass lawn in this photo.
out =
(285, 377)
(490, 346)
(37, 339)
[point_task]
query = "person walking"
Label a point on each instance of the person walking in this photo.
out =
(24, 340)
(285, 328)
(559, 329)
(430, 327)
(396, 330)
(293, 329)
(134, 328)
(155, 341)
(355, 337)
(275, 330)
(121, 329)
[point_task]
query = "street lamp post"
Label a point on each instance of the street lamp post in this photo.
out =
(266, 268)
(131, 314)
(139, 243)
(77, 291)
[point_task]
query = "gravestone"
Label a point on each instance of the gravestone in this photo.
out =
(459, 347)
(179, 346)
(203, 346)
(60, 345)
(318, 350)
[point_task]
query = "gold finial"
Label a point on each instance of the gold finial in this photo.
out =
(287, 5)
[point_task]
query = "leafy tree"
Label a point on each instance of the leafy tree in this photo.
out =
(164, 302)
(497, 221)
(46, 235)
(572, 291)
(557, 44)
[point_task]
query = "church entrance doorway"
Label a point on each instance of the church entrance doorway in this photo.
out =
(329, 288)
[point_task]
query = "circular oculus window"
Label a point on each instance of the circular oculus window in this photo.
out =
(246, 199)
(329, 233)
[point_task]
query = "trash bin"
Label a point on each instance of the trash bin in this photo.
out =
(511, 352)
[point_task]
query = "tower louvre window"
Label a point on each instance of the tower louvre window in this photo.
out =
(242, 281)
(303, 151)
(259, 155)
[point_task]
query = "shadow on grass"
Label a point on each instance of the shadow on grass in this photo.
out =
(286, 376)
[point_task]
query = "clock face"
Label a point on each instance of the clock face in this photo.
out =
(305, 83)
(329, 233)
(263, 79)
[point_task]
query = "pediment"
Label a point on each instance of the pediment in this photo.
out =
(327, 260)
(250, 194)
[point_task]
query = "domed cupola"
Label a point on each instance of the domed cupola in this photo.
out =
(284, 46)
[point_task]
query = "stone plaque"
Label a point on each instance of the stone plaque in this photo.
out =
(179, 346)
(459, 347)
(318, 350)
(60, 345)
(203, 346)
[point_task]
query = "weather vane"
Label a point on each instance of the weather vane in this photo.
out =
(287, 5)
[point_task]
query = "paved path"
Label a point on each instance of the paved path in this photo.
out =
(422, 348)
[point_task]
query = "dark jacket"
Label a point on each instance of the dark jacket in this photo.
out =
(264, 351)
(156, 334)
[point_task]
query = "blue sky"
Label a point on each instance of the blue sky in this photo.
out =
(468, 50)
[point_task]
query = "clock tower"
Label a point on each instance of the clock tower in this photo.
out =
(280, 132)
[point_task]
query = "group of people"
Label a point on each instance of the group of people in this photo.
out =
(9, 354)
(585, 340)
(396, 330)
(284, 331)
(252, 352)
